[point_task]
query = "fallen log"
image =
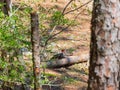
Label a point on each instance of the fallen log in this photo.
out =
(66, 62)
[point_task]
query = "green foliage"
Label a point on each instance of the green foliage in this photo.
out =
(3, 64)
(68, 79)
(44, 79)
(71, 50)
(45, 76)
(49, 75)
(1, 14)
(9, 33)
(89, 11)
(12, 35)
(58, 19)
(13, 71)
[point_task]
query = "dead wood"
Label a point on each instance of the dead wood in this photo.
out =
(66, 62)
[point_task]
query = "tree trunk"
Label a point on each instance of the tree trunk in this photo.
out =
(104, 70)
(35, 49)
(6, 6)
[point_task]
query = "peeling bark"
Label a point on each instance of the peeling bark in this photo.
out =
(35, 49)
(104, 70)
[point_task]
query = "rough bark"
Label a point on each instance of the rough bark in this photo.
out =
(104, 70)
(35, 49)
(66, 62)
(6, 6)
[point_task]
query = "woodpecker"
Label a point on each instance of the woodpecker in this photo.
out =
(59, 55)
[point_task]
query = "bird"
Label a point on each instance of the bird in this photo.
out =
(60, 55)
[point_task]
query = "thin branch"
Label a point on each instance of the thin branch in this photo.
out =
(67, 6)
(50, 37)
(79, 14)
(78, 7)
(53, 30)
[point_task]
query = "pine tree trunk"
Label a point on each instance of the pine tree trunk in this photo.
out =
(35, 49)
(104, 70)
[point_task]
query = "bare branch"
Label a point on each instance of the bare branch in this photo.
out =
(78, 7)
(67, 6)
(78, 14)
(50, 37)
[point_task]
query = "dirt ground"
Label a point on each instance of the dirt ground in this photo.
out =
(75, 40)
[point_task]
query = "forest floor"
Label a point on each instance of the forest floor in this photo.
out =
(76, 41)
